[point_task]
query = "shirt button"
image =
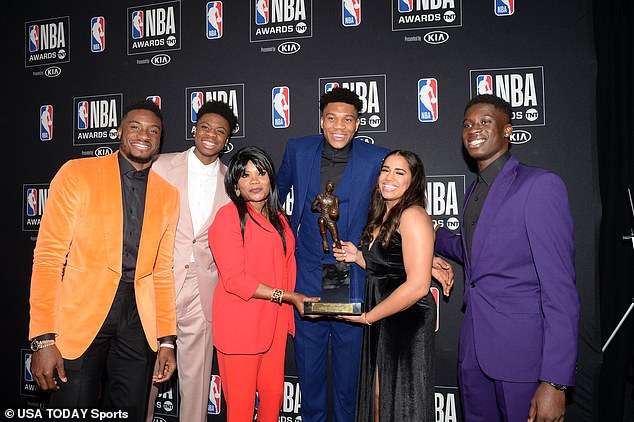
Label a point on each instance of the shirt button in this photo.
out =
(186, 266)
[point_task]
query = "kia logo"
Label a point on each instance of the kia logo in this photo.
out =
(289, 47)
(520, 136)
(160, 60)
(436, 37)
(53, 71)
(101, 151)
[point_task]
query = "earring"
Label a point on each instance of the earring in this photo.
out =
(237, 192)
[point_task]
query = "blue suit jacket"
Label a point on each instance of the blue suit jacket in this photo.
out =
(522, 305)
(300, 169)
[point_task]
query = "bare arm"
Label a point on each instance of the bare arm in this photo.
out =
(418, 248)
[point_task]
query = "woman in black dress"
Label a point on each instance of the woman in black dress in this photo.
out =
(396, 378)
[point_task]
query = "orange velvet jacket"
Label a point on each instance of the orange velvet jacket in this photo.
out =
(78, 254)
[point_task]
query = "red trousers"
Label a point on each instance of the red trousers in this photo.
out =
(242, 375)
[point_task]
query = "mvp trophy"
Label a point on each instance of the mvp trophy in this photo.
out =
(335, 278)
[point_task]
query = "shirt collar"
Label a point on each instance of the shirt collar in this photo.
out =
(127, 169)
(197, 166)
(489, 174)
(330, 152)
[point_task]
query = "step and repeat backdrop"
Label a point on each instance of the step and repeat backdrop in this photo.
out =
(414, 63)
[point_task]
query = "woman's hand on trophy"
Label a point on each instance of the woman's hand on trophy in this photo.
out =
(347, 253)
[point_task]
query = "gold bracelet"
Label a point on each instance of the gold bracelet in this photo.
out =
(365, 318)
(277, 295)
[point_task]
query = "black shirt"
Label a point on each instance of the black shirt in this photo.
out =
(479, 195)
(133, 189)
(333, 163)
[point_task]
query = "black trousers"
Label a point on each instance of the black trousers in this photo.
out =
(115, 372)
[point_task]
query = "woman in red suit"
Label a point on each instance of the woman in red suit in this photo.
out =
(252, 313)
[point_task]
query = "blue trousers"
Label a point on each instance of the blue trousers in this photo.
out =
(312, 338)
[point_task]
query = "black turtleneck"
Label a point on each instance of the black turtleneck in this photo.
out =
(333, 163)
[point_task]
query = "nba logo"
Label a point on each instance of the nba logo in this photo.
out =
(137, 24)
(504, 7)
(427, 100)
(28, 376)
(330, 86)
(155, 99)
(82, 115)
(436, 294)
(215, 390)
(261, 12)
(405, 6)
(196, 103)
(351, 12)
(46, 123)
(31, 202)
(281, 112)
(484, 84)
(34, 38)
(98, 34)
(214, 20)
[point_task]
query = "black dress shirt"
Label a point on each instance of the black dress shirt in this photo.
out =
(479, 195)
(133, 189)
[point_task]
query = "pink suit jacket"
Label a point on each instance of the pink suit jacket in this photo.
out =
(173, 167)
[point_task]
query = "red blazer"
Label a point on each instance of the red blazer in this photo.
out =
(244, 325)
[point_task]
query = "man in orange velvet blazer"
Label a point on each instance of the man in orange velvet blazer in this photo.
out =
(102, 288)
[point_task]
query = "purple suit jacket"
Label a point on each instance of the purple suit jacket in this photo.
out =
(522, 305)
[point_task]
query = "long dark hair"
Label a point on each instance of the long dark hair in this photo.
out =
(414, 195)
(262, 161)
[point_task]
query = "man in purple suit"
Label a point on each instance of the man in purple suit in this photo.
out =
(518, 341)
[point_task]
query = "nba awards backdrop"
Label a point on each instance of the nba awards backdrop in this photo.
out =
(414, 63)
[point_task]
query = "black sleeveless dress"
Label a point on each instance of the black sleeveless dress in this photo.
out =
(400, 346)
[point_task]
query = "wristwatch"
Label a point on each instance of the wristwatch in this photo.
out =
(40, 344)
(559, 387)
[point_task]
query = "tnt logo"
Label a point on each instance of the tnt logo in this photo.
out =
(137, 25)
(261, 12)
(427, 100)
(215, 393)
(82, 115)
(34, 38)
(436, 294)
(97, 34)
(484, 84)
(330, 86)
(46, 123)
(351, 12)
(504, 7)
(155, 99)
(405, 6)
(196, 102)
(214, 20)
(281, 104)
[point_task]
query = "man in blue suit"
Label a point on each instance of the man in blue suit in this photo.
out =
(518, 341)
(353, 166)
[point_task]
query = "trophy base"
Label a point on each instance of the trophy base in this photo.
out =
(326, 308)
